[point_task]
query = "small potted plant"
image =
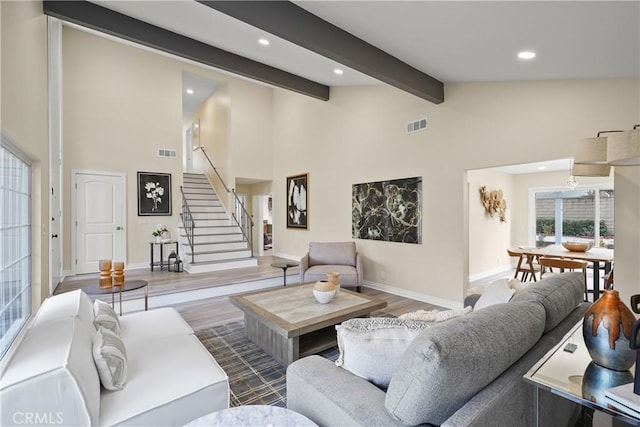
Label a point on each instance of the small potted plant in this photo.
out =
(159, 232)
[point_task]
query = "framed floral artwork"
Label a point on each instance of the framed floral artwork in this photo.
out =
(297, 201)
(154, 194)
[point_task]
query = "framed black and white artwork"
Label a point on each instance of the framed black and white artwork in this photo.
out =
(297, 201)
(154, 194)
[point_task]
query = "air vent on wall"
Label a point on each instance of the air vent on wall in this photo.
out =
(417, 125)
(165, 152)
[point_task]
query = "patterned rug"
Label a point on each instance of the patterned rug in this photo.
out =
(255, 378)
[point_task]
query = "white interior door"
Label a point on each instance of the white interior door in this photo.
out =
(99, 220)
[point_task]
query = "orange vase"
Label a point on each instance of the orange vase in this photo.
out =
(334, 279)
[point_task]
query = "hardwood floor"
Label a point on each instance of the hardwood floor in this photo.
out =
(210, 312)
(163, 282)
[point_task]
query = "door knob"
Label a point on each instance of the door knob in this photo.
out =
(118, 228)
(54, 236)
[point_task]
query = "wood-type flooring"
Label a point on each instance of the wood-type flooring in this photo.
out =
(205, 313)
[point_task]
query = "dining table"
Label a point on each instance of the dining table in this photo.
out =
(595, 255)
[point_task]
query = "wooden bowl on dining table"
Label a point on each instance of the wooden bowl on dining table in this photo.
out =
(577, 247)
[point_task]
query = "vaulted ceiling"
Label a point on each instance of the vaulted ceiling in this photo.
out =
(413, 45)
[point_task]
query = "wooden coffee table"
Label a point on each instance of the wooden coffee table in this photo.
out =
(288, 323)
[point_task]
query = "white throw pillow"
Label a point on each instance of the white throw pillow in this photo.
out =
(110, 357)
(518, 285)
(105, 317)
(497, 292)
(371, 348)
(434, 315)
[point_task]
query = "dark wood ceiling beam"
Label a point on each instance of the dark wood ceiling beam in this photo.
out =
(291, 22)
(116, 24)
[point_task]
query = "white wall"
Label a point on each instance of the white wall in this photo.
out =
(358, 136)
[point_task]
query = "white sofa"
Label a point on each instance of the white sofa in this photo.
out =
(51, 377)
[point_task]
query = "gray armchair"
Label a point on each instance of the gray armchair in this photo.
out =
(325, 257)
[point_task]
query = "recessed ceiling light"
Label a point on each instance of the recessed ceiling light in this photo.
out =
(526, 55)
(190, 91)
(264, 42)
(338, 71)
(541, 168)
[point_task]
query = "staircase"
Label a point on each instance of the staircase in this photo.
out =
(218, 241)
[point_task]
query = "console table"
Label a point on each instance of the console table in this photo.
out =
(575, 377)
(162, 262)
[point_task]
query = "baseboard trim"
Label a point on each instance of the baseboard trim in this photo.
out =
(137, 266)
(413, 295)
(489, 273)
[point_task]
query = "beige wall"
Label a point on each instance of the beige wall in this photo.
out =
(24, 117)
(213, 116)
(488, 236)
(358, 136)
(627, 225)
(115, 117)
(122, 103)
(251, 145)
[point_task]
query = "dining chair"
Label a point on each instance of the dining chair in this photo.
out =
(526, 265)
(565, 264)
(608, 280)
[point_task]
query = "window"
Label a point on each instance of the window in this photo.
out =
(15, 245)
(582, 215)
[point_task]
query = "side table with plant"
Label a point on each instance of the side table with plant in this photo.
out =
(160, 232)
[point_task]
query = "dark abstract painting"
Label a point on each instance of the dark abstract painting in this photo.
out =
(388, 210)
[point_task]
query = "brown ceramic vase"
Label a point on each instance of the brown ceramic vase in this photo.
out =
(607, 331)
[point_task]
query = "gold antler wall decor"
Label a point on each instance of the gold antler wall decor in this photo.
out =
(493, 202)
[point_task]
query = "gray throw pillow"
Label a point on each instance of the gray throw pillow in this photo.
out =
(450, 362)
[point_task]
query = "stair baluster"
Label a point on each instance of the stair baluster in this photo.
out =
(187, 222)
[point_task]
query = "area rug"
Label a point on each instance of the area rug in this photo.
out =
(255, 378)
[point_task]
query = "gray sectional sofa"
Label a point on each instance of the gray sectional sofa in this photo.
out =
(467, 371)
